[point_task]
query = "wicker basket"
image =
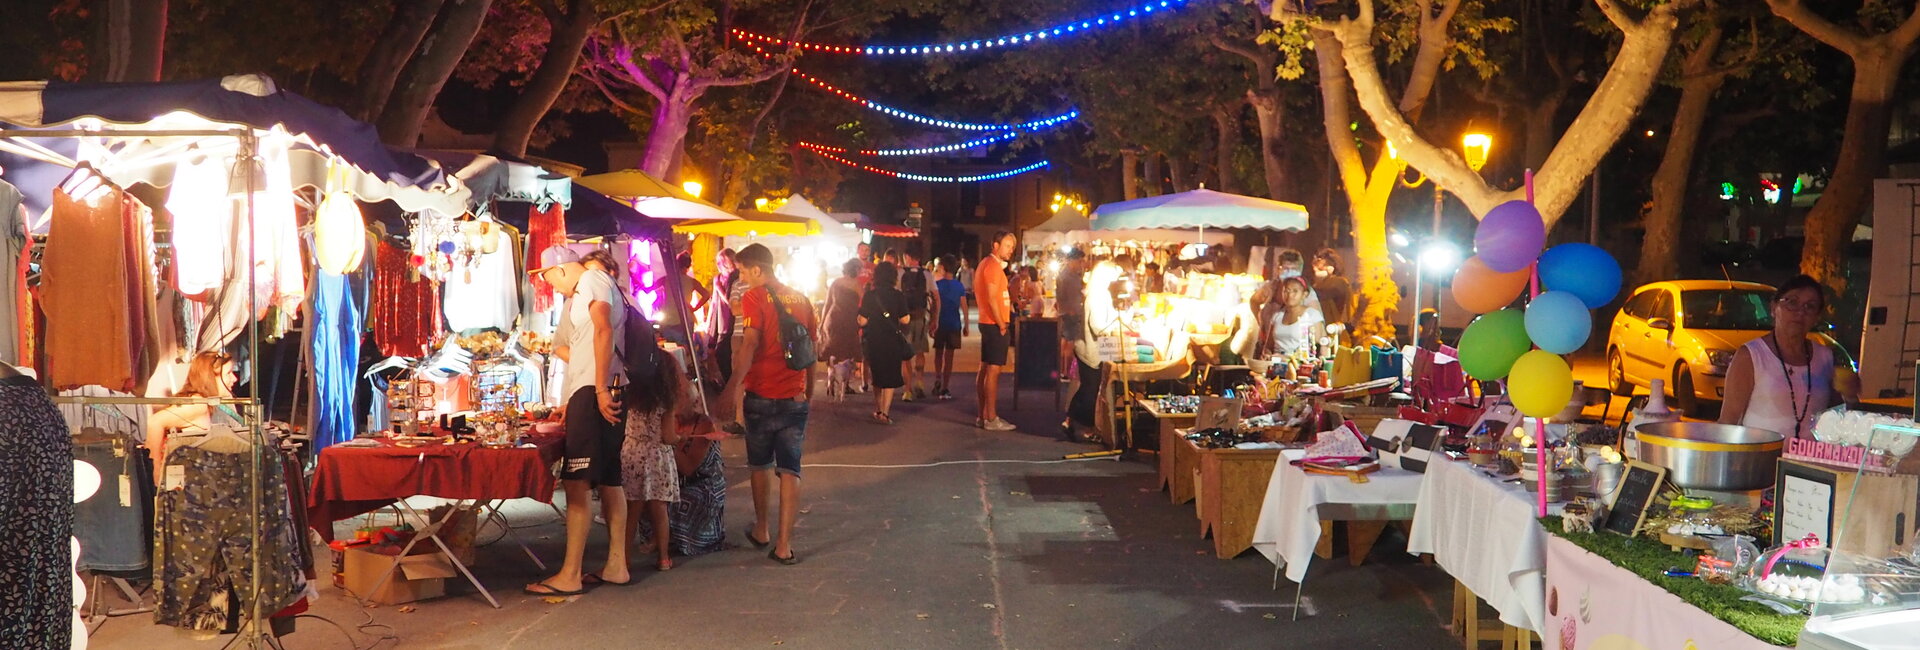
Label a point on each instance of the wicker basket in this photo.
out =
(1277, 433)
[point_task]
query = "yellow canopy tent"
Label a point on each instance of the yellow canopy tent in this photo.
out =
(753, 224)
(653, 197)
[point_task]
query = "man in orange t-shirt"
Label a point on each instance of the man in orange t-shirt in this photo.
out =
(772, 398)
(996, 326)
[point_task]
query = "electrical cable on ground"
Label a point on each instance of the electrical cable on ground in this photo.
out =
(986, 461)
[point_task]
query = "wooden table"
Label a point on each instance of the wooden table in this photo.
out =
(1177, 459)
(1232, 487)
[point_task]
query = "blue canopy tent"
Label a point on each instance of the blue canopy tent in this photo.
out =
(324, 140)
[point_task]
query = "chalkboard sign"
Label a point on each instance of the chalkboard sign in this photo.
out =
(1628, 507)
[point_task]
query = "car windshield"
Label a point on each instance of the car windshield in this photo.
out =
(1726, 309)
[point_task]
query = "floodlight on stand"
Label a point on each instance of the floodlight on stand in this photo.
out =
(1439, 256)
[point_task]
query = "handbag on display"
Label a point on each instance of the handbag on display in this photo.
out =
(1386, 362)
(1352, 365)
(1437, 376)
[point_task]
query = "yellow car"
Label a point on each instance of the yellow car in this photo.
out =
(1685, 332)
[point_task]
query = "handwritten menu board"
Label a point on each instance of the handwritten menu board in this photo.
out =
(1630, 499)
(1804, 504)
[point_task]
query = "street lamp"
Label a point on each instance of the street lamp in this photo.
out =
(693, 187)
(1477, 147)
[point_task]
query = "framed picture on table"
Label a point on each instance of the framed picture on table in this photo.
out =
(1217, 413)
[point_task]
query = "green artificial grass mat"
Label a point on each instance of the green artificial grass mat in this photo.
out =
(1650, 560)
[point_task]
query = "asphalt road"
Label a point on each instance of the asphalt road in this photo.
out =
(969, 553)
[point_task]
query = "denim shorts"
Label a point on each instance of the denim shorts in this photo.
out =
(776, 428)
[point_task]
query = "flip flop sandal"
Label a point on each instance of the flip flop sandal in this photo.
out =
(790, 560)
(592, 580)
(882, 418)
(756, 543)
(549, 590)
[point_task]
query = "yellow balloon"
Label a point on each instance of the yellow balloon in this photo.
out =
(1540, 384)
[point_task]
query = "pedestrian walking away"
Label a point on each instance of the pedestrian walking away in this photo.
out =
(773, 395)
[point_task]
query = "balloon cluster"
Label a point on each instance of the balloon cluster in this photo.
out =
(1502, 342)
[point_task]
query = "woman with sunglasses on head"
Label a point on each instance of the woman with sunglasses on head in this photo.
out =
(1782, 381)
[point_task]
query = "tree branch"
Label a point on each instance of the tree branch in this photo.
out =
(1617, 15)
(1261, 58)
(1821, 29)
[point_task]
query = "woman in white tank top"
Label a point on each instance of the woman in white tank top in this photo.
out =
(1782, 381)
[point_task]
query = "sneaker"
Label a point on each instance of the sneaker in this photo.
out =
(945, 395)
(906, 396)
(998, 425)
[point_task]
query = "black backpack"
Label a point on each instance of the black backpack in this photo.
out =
(913, 283)
(795, 339)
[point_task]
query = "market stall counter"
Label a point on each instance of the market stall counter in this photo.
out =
(1482, 530)
(349, 481)
(1601, 602)
(1231, 485)
(1295, 516)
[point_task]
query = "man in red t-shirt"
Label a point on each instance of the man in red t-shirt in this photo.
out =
(771, 398)
(996, 325)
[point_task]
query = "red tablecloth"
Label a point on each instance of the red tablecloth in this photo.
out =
(349, 481)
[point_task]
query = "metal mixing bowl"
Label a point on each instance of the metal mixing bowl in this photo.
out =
(1708, 456)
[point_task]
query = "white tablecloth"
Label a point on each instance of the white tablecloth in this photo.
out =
(1483, 532)
(1289, 524)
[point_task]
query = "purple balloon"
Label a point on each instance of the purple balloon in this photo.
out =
(1510, 237)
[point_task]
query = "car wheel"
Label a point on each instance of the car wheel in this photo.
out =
(1683, 396)
(1617, 374)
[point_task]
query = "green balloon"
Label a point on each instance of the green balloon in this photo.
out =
(1493, 342)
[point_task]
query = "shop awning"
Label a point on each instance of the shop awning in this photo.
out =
(321, 135)
(519, 185)
(652, 196)
(1197, 209)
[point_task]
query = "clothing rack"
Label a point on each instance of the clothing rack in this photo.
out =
(255, 630)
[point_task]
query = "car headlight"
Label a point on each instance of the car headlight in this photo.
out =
(1720, 358)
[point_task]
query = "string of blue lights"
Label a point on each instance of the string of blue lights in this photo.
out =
(1068, 28)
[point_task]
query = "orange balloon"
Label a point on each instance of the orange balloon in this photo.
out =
(1481, 289)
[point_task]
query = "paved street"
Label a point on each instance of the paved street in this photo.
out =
(1025, 554)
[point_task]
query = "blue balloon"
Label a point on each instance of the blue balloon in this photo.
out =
(1583, 270)
(1510, 236)
(1558, 322)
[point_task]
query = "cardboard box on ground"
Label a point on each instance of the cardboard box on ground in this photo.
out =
(421, 576)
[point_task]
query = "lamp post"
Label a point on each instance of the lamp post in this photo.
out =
(693, 187)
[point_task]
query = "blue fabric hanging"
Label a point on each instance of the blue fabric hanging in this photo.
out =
(334, 321)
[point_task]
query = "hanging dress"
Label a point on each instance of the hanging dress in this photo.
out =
(36, 518)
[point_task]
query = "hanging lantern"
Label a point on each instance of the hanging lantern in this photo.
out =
(339, 230)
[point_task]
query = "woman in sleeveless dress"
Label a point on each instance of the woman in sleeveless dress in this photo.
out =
(1781, 382)
(843, 329)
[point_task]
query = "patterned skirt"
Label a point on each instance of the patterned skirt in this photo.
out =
(696, 519)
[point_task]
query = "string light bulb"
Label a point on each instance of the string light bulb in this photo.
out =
(967, 45)
(975, 178)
